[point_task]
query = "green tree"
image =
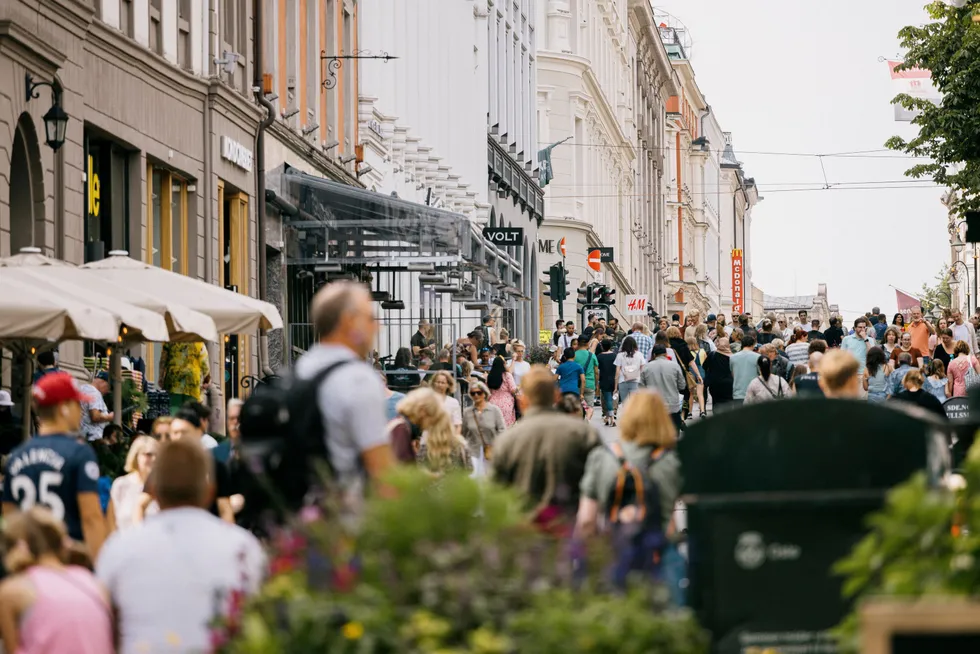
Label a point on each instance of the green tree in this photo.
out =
(949, 133)
(938, 294)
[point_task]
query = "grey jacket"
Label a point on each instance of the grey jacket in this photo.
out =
(666, 378)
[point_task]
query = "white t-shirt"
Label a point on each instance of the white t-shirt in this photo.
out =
(519, 369)
(635, 362)
(92, 400)
(454, 410)
(165, 573)
(125, 494)
(209, 442)
(962, 332)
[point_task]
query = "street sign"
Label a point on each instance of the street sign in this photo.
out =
(606, 255)
(597, 310)
(595, 259)
(511, 236)
(957, 408)
(561, 247)
(636, 305)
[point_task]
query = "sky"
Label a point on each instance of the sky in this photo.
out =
(804, 77)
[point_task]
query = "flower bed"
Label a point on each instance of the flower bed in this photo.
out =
(450, 566)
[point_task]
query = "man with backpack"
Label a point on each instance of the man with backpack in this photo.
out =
(330, 416)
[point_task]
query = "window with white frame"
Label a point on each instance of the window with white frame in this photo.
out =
(184, 34)
(234, 39)
(156, 26)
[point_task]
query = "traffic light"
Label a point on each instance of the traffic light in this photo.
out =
(584, 295)
(606, 295)
(556, 283)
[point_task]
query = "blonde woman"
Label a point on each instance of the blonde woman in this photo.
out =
(47, 605)
(441, 449)
(124, 496)
(161, 428)
(444, 385)
(648, 438)
(482, 423)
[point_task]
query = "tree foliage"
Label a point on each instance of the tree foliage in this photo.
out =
(949, 133)
(938, 294)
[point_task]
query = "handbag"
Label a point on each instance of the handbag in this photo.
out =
(487, 449)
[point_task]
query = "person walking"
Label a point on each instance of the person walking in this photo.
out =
(643, 342)
(607, 382)
(915, 395)
(905, 346)
(666, 378)
(766, 386)
(502, 390)
(935, 380)
(963, 371)
(543, 455)
(590, 364)
(839, 377)
(482, 423)
(172, 576)
(963, 331)
(54, 469)
(124, 495)
(46, 606)
(944, 348)
(744, 366)
(876, 381)
(629, 365)
(718, 374)
(858, 344)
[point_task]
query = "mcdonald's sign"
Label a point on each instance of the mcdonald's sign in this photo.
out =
(738, 283)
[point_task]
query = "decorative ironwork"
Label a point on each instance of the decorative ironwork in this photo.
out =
(251, 381)
(335, 62)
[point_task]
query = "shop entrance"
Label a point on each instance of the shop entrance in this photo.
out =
(233, 274)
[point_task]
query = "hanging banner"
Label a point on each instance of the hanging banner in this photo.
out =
(738, 284)
(915, 82)
(636, 305)
(905, 304)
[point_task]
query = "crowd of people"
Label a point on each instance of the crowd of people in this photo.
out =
(168, 552)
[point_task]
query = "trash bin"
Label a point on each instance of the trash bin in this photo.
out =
(776, 493)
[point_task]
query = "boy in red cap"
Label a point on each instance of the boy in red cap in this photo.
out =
(55, 469)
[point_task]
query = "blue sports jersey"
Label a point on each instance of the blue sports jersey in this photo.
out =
(52, 471)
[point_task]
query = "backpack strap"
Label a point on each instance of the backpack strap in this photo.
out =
(626, 468)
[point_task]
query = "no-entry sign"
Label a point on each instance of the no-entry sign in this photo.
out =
(595, 260)
(561, 247)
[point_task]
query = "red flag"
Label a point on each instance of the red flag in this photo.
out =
(905, 304)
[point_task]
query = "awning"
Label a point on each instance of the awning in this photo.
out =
(28, 312)
(60, 284)
(232, 313)
(180, 322)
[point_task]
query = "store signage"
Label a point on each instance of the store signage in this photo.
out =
(595, 260)
(606, 255)
(738, 283)
(504, 235)
(548, 247)
(94, 187)
(636, 305)
(957, 408)
(236, 153)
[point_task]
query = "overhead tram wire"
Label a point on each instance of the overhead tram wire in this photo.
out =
(857, 154)
(762, 191)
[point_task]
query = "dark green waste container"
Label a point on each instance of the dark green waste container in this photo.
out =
(776, 493)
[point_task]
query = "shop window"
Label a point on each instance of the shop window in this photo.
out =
(167, 241)
(184, 34)
(156, 26)
(234, 36)
(167, 232)
(233, 274)
(107, 221)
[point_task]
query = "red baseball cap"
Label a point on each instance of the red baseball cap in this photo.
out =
(56, 388)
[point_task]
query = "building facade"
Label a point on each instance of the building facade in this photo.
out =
(656, 82)
(586, 90)
(740, 195)
(449, 125)
(816, 306)
(157, 158)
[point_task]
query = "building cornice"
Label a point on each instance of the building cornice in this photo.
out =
(30, 50)
(308, 152)
(510, 176)
(233, 106)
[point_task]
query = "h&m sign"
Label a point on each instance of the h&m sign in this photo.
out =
(510, 236)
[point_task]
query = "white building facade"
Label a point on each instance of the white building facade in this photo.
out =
(586, 94)
(449, 124)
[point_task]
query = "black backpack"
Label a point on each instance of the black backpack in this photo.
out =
(635, 517)
(283, 449)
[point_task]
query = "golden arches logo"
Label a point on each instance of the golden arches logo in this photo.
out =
(737, 253)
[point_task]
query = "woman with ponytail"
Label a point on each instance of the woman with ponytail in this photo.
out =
(766, 386)
(47, 605)
(441, 449)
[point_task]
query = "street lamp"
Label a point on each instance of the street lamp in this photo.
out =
(55, 120)
(954, 282)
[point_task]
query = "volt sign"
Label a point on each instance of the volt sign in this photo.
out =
(738, 283)
(509, 236)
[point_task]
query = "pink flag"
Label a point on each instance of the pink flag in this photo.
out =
(905, 304)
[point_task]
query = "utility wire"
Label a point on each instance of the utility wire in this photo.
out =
(763, 191)
(857, 154)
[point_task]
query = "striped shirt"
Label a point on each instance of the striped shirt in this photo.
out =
(798, 353)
